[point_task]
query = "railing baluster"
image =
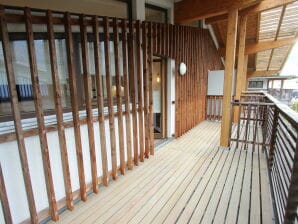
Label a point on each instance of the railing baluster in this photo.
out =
(273, 137)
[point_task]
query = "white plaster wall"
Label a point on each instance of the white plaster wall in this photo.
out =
(12, 172)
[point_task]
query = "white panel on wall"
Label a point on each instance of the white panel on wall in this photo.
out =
(37, 172)
(13, 178)
(215, 82)
(56, 165)
(86, 153)
(72, 158)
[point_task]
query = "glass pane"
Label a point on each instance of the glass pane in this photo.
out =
(155, 15)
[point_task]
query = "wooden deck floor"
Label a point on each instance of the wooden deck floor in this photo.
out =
(188, 181)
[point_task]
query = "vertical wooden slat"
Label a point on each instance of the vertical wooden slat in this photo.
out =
(109, 96)
(119, 96)
(89, 109)
(146, 90)
(17, 115)
(150, 74)
(126, 95)
(154, 37)
(4, 200)
(100, 104)
(40, 117)
(59, 112)
(132, 79)
(140, 89)
(74, 104)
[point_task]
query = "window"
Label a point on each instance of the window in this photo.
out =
(23, 76)
(156, 14)
(255, 84)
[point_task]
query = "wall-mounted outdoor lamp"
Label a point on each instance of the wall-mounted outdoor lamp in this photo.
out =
(158, 78)
(182, 68)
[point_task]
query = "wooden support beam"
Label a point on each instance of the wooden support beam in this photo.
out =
(17, 115)
(146, 88)
(193, 10)
(262, 73)
(264, 45)
(262, 6)
(100, 104)
(74, 105)
(229, 70)
(119, 96)
(59, 112)
(126, 95)
(244, 87)
(140, 90)
(150, 70)
(40, 117)
(110, 96)
(133, 94)
(89, 109)
(241, 76)
(4, 200)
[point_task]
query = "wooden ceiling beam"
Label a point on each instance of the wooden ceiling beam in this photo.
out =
(262, 73)
(263, 46)
(193, 10)
(262, 6)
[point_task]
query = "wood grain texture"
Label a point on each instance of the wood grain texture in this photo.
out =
(128, 126)
(59, 112)
(4, 200)
(89, 109)
(17, 116)
(140, 65)
(146, 88)
(133, 91)
(100, 104)
(74, 105)
(229, 69)
(110, 96)
(40, 117)
(119, 96)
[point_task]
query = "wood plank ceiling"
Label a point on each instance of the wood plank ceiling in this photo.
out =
(270, 25)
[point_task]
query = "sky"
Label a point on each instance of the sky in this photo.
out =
(291, 65)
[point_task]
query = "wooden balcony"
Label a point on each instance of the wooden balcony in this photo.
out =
(188, 180)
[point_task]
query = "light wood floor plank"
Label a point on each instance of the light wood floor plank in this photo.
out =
(188, 180)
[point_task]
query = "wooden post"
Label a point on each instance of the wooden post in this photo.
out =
(241, 76)
(100, 104)
(146, 90)
(140, 90)
(150, 71)
(17, 115)
(126, 95)
(133, 94)
(118, 95)
(59, 112)
(74, 105)
(109, 96)
(229, 69)
(245, 83)
(4, 200)
(89, 109)
(40, 117)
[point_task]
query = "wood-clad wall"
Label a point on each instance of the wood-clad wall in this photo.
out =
(195, 48)
(128, 138)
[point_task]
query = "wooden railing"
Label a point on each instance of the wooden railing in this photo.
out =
(264, 120)
(214, 107)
